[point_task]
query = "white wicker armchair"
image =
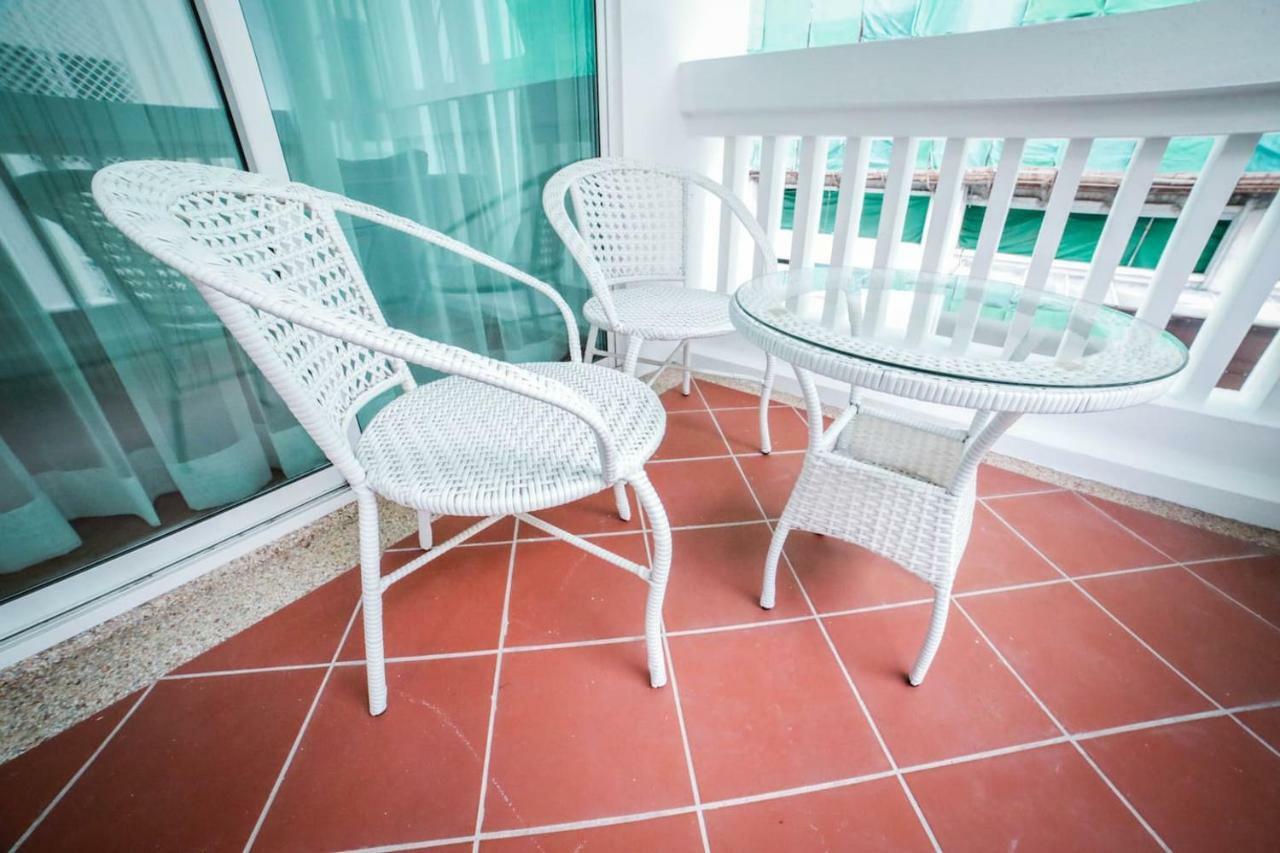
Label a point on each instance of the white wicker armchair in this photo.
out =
(631, 241)
(491, 439)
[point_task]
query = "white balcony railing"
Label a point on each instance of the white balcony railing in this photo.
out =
(1208, 69)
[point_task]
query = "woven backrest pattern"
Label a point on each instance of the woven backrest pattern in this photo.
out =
(634, 222)
(220, 226)
(298, 246)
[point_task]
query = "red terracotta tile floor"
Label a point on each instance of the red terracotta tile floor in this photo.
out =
(1109, 679)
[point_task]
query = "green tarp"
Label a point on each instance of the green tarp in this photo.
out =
(1146, 243)
(789, 24)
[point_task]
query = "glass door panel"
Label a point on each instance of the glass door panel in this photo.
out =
(453, 114)
(125, 410)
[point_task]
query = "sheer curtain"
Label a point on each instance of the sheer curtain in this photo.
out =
(453, 114)
(121, 398)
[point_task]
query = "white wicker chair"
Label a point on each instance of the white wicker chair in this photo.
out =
(631, 241)
(492, 439)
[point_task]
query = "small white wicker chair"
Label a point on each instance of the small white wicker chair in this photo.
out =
(492, 439)
(631, 241)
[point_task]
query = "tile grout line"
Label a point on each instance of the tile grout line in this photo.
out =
(493, 702)
(1150, 649)
(83, 768)
(675, 695)
(1239, 722)
(302, 730)
(683, 632)
(1053, 718)
(671, 661)
(1185, 564)
(801, 790)
(857, 695)
(1096, 603)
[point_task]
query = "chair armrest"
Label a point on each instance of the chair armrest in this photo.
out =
(414, 229)
(397, 343)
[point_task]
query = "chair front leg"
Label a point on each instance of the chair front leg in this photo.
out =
(766, 389)
(371, 600)
(687, 376)
(659, 568)
(633, 355)
(589, 357)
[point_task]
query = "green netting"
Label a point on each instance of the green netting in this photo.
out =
(912, 228)
(1185, 154)
(1079, 238)
(1146, 243)
(787, 24)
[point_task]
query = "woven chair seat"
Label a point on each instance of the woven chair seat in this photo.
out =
(461, 447)
(664, 313)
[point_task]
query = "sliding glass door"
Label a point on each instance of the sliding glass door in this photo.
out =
(126, 412)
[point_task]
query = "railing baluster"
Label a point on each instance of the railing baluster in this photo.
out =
(1056, 212)
(737, 154)
(853, 189)
(997, 212)
(1261, 391)
(1245, 291)
(809, 185)
(945, 212)
(1195, 223)
(1125, 210)
(897, 194)
(769, 199)
(993, 220)
(948, 205)
(1052, 226)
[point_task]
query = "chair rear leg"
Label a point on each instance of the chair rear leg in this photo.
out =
(766, 390)
(768, 586)
(937, 624)
(589, 354)
(686, 378)
(424, 530)
(659, 568)
(620, 499)
(371, 600)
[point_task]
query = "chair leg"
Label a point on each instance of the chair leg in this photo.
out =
(937, 623)
(633, 355)
(659, 568)
(766, 390)
(620, 498)
(768, 587)
(371, 600)
(686, 379)
(589, 354)
(424, 530)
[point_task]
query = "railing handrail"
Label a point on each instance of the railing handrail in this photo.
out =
(1205, 68)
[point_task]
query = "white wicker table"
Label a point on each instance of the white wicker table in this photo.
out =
(901, 485)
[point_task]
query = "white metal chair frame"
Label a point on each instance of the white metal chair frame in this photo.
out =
(631, 233)
(902, 486)
(271, 260)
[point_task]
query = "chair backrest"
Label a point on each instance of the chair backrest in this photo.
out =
(238, 235)
(631, 221)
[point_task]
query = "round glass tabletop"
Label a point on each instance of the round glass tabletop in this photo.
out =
(948, 325)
